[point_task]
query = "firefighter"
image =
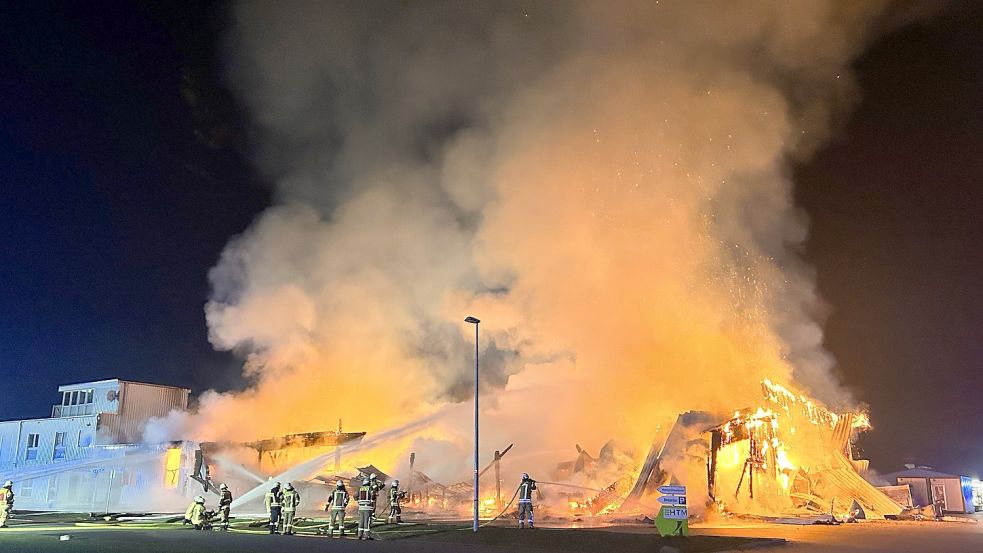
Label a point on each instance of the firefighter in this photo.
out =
(6, 502)
(377, 488)
(366, 506)
(337, 503)
(525, 500)
(188, 511)
(395, 510)
(291, 500)
(196, 513)
(274, 499)
(225, 506)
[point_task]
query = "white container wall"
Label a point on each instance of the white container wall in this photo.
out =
(84, 457)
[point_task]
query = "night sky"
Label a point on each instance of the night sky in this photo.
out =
(124, 170)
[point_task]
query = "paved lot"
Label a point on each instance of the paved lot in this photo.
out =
(184, 541)
(411, 539)
(873, 537)
(883, 537)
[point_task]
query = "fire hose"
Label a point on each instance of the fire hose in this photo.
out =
(514, 495)
(639, 503)
(512, 501)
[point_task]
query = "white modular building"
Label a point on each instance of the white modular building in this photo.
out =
(951, 492)
(87, 455)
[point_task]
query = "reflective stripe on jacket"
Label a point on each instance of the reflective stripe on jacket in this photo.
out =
(197, 514)
(366, 498)
(525, 491)
(273, 499)
(339, 499)
(291, 500)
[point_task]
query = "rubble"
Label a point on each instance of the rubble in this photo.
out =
(788, 456)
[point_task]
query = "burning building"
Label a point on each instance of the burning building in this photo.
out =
(617, 208)
(787, 456)
(89, 455)
(282, 452)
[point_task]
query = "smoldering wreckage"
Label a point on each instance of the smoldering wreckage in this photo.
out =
(787, 458)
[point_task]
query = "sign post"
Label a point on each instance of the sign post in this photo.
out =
(673, 517)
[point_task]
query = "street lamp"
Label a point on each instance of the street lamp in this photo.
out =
(475, 321)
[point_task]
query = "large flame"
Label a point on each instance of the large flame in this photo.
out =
(604, 185)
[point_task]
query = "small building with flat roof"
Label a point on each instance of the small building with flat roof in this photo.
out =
(64, 459)
(954, 493)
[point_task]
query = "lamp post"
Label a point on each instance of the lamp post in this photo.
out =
(475, 321)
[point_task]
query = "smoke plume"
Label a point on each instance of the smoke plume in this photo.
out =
(605, 184)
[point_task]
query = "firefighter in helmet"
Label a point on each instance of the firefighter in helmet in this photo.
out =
(526, 488)
(377, 488)
(395, 509)
(274, 500)
(291, 500)
(224, 506)
(366, 506)
(337, 504)
(6, 502)
(196, 514)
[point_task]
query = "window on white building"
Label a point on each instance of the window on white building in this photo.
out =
(76, 402)
(53, 488)
(59, 451)
(27, 489)
(32, 447)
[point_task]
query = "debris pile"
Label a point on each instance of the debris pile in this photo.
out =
(789, 456)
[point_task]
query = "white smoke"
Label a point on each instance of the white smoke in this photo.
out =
(605, 184)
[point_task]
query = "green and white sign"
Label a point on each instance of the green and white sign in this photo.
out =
(673, 517)
(672, 521)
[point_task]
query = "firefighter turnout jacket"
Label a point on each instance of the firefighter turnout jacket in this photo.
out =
(525, 490)
(290, 499)
(274, 498)
(226, 501)
(339, 499)
(366, 497)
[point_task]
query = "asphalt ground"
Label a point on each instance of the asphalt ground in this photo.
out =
(44, 533)
(39, 534)
(868, 537)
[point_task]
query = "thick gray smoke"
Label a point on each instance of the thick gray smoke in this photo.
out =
(605, 184)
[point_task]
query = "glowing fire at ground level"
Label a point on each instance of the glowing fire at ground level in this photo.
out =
(786, 456)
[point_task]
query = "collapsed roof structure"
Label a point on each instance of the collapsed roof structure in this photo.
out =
(789, 456)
